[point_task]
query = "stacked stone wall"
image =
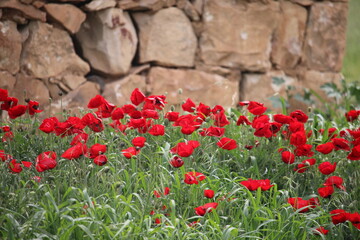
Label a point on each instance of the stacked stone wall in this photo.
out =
(215, 51)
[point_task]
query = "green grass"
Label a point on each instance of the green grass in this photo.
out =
(80, 200)
(351, 65)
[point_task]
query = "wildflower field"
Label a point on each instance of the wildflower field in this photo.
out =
(138, 171)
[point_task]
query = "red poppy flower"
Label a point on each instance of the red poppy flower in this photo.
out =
(243, 120)
(227, 143)
(352, 115)
(185, 149)
(327, 168)
(117, 114)
(203, 109)
(100, 160)
(33, 107)
(304, 150)
(283, 119)
(220, 119)
(5, 157)
(96, 150)
(45, 161)
(206, 208)
(129, 152)
(355, 153)
(149, 113)
(10, 102)
(166, 192)
(188, 106)
(194, 177)
(137, 123)
(299, 115)
(208, 193)
(299, 203)
(93, 122)
(296, 126)
(48, 124)
(71, 126)
(3, 94)
(354, 218)
(79, 138)
(17, 111)
(96, 101)
(155, 102)
(139, 142)
(326, 192)
(288, 157)
(338, 216)
(212, 131)
(75, 152)
(176, 162)
(157, 130)
(335, 180)
(298, 138)
(325, 148)
(255, 108)
(303, 166)
(172, 116)
(321, 230)
(340, 144)
(14, 166)
(137, 97)
(253, 185)
(8, 136)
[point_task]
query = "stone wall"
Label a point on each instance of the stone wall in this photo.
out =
(215, 51)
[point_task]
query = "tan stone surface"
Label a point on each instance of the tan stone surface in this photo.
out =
(325, 41)
(49, 52)
(166, 37)
(238, 34)
(118, 92)
(263, 87)
(289, 36)
(75, 101)
(211, 89)
(10, 47)
(96, 5)
(108, 40)
(69, 16)
(28, 10)
(29, 87)
(154, 5)
(7, 81)
(314, 80)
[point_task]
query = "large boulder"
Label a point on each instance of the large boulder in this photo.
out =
(69, 16)
(238, 34)
(180, 84)
(326, 36)
(289, 36)
(10, 47)
(108, 40)
(49, 52)
(166, 37)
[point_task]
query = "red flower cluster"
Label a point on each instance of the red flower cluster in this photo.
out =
(10, 104)
(253, 184)
(302, 204)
